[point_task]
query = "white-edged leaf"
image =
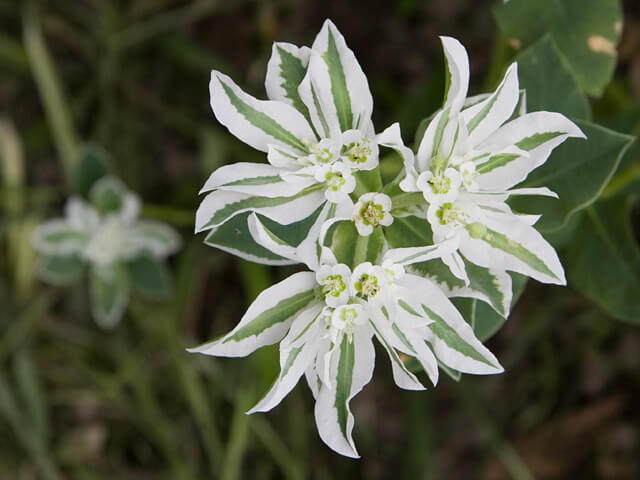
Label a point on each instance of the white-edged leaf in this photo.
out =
(297, 351)
(285, 71)
(485, 117)
(536, 133)
(351, 369)
(451, 337)
(155, 237)
(109, 292)
(258, 179)
(58, 237)
(258, 123)
(506, 243)
(219, 206)
(457, 73)
(267, 319)
(339, 80)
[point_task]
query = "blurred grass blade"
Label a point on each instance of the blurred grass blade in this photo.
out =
(12, 166)
(50, 90)
(31, 393)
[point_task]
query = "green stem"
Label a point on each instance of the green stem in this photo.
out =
(360, 253)
(50, 90)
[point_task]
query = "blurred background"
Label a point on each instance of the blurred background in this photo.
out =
(131, 79)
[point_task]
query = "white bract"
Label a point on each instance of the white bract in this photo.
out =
(325, 322)
(472, 155)
(316, 130)
(321, 198)
(104, 234)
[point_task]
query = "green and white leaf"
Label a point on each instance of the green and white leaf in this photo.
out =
(157, 238)
(342, 87)
(285, 71)
(297, 352)
(350, 370)
(267, 319)
(109, 293)
(258, 123)
(578, 172)
(450, 336)
(506, 243)
(60, 270)
(257, 179)
(536, 133)
(219, 206)
(58, 237)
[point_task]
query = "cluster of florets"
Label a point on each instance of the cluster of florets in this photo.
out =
(383, 259)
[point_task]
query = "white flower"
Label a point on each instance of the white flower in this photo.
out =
(371, 210)
(105, 234)
(326, 334)
(335, 282)
(338, 181)
(471, 156)
(316, 129)
(439, 187)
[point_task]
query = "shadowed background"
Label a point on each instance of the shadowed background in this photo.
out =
(80, 403)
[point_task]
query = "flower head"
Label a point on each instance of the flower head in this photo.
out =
(106, 235)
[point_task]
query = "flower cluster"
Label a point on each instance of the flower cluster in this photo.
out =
(106, 236)
(384, 260)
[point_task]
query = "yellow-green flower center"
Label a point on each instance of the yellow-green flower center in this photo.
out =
(367, 285)
(358, 152)
(447, 213)
(440, 184)
(372, 214)
(335, 180)
(333, 285)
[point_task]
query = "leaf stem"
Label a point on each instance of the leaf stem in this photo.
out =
(360, 253)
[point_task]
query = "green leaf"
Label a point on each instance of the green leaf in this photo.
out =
(409, 231)
(59, 270)
(367, 181)
(107, 195)
(586, 32)
(548, 81)
(109, 293)
(603, 260)
(150, 277)
(233, 236)
(577, 171)
(93, 164)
